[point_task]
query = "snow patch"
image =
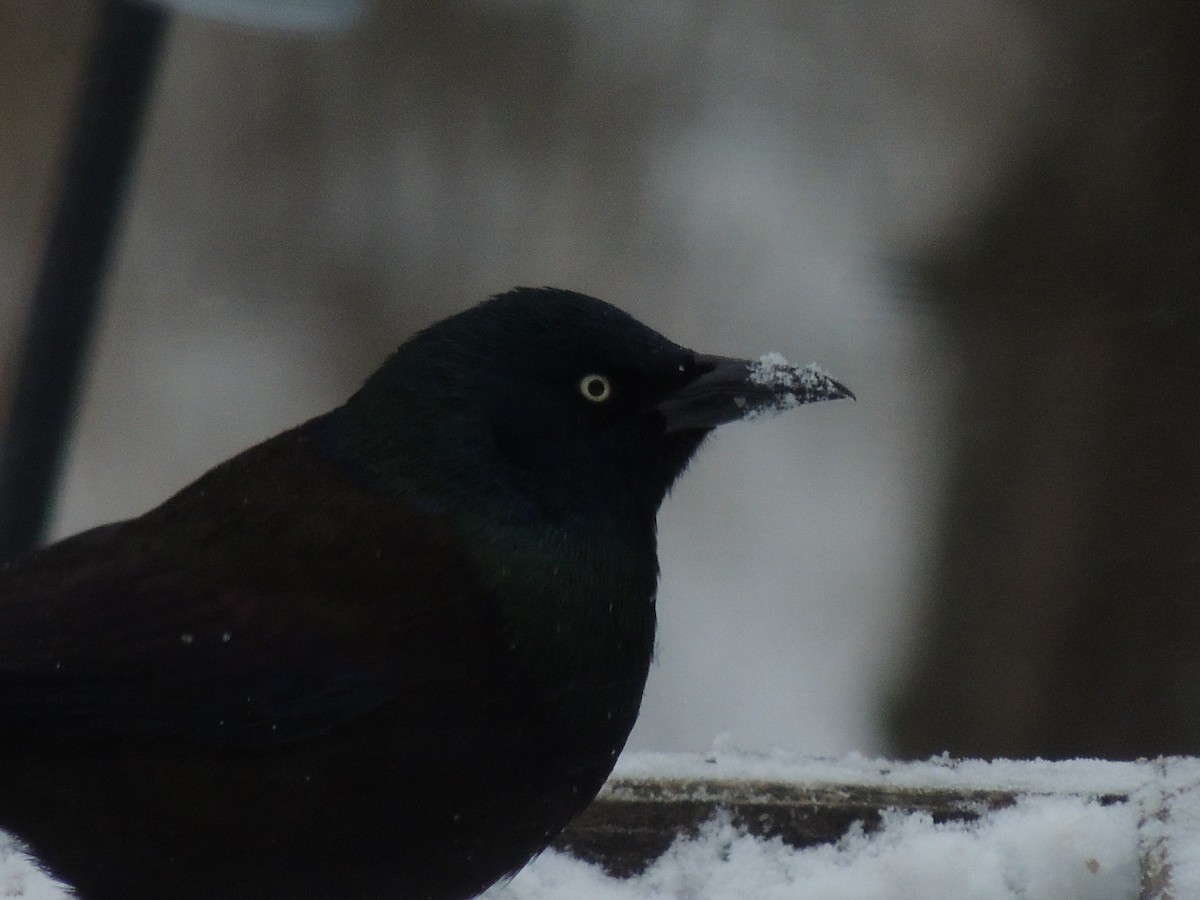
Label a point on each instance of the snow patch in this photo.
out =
(791, 385)
(1044, 848)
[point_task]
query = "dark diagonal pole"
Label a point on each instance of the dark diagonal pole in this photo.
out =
(119, 77)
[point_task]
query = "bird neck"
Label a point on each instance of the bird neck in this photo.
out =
(580, 597)
(579, 623)
(574, 582)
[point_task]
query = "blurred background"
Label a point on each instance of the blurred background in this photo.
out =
(982, 216)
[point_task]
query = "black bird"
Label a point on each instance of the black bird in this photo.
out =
(389, 653)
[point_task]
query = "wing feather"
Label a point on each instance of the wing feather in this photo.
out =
(238, 612)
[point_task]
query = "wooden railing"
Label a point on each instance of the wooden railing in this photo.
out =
(655, 799)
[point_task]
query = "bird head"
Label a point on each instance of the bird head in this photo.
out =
(559, 402)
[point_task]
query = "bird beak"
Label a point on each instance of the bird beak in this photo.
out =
(730, 389)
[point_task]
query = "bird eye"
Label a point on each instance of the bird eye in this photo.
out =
(595, 388)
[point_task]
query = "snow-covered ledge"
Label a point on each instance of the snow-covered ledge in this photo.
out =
(731, 825)
(735, 826)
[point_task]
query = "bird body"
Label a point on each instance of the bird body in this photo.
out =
(388, 653)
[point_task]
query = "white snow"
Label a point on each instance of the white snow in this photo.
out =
(768, 368)
(19, 877)
(795, 385)
(1060, 841)
(1076, 776)
(1045, 848)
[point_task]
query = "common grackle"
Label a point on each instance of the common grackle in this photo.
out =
(389, 653)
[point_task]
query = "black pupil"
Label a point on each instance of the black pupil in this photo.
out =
(595, 387)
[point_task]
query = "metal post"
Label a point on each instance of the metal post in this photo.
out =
(119, 78)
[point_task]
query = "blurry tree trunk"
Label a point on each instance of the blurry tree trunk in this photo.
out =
(1064, 605)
